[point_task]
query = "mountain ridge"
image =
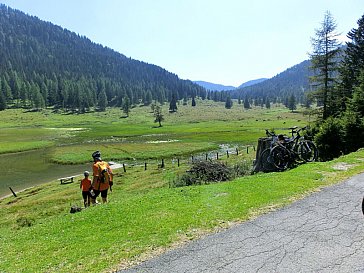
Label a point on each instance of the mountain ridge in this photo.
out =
(46, 65)
(214, 86)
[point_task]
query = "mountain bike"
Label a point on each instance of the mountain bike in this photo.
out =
(286, 151)
(303, 150)
(276, 157)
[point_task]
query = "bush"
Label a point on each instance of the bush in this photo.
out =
(204, 172)
(354, 132)
(330, 139)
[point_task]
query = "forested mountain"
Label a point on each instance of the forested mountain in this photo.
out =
(214, 86)
(294, 80)
(42, 64)
(252, 82)
(219, 87)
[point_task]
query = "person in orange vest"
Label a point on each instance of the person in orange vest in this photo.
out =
(102, 178)
(85, 186)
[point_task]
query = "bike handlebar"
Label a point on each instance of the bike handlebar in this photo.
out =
(294, 131)
(270, 134)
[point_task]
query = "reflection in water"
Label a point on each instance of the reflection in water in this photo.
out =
(26, 169)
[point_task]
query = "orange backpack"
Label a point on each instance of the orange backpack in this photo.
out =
(104, 172)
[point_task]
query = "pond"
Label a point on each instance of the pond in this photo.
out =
(27, 169)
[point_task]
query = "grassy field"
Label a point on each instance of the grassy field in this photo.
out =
(190, 130)
(145, 215)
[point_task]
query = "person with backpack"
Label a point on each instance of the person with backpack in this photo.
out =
(102, 178)
(85, 186)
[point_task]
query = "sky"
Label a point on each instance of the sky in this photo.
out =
(226, 42)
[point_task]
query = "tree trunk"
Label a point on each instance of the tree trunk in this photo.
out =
(263, 143)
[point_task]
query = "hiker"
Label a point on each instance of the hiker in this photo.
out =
(102, 178)
(85, 186)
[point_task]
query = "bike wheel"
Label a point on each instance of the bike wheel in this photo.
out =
(281, 157)
(266, 161)
(308, 151)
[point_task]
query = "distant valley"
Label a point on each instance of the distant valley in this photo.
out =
(219, 87)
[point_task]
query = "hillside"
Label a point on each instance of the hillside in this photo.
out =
(294, 80)
(252, 82)
(219, 87)
(45, 65)
(213, 86)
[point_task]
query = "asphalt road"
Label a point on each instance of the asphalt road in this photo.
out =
(321, 233)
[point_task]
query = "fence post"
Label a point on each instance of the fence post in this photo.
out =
(162, 166)
(227, 153)
(178, 162)
(124, 168)
(206, 156)
(145, 166)
(237, 151)
(13, 192)
(217, 155)
(247, 149)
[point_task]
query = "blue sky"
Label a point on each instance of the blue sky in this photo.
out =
(221, 41)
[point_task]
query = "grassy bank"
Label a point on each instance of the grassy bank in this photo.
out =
(144, 216)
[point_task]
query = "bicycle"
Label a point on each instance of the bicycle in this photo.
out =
(303, 149)
(284, 151)
(276, 157)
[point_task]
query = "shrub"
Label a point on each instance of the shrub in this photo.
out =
(354, 132)
(330, 139)
(24, 222)
(204, 172)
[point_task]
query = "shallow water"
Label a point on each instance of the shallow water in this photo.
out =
(26, 169)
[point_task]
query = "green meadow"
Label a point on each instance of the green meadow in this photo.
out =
(190, 130)
(145, 214)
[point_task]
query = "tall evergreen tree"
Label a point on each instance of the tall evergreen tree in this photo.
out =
(2, 101)
(148, 98)
(102, 100)
(193, 102)
(5, 88)
(173, 103)
(246, 103)
(353, 63)
(228, 102)
(292, 103)
(357, 102)
(267, 103)
(126, 104)
(325, 64)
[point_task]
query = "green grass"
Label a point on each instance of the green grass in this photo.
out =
(193, 129)
(144, 215)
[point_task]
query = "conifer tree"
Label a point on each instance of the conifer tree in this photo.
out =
(246, 103)
(325, 64)
(148, 98)
(126, 105)
(102, 100)
(352, 68)
(2, 101)
(228, 102)
(292, 103)
(193, 102)
(173, 103)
